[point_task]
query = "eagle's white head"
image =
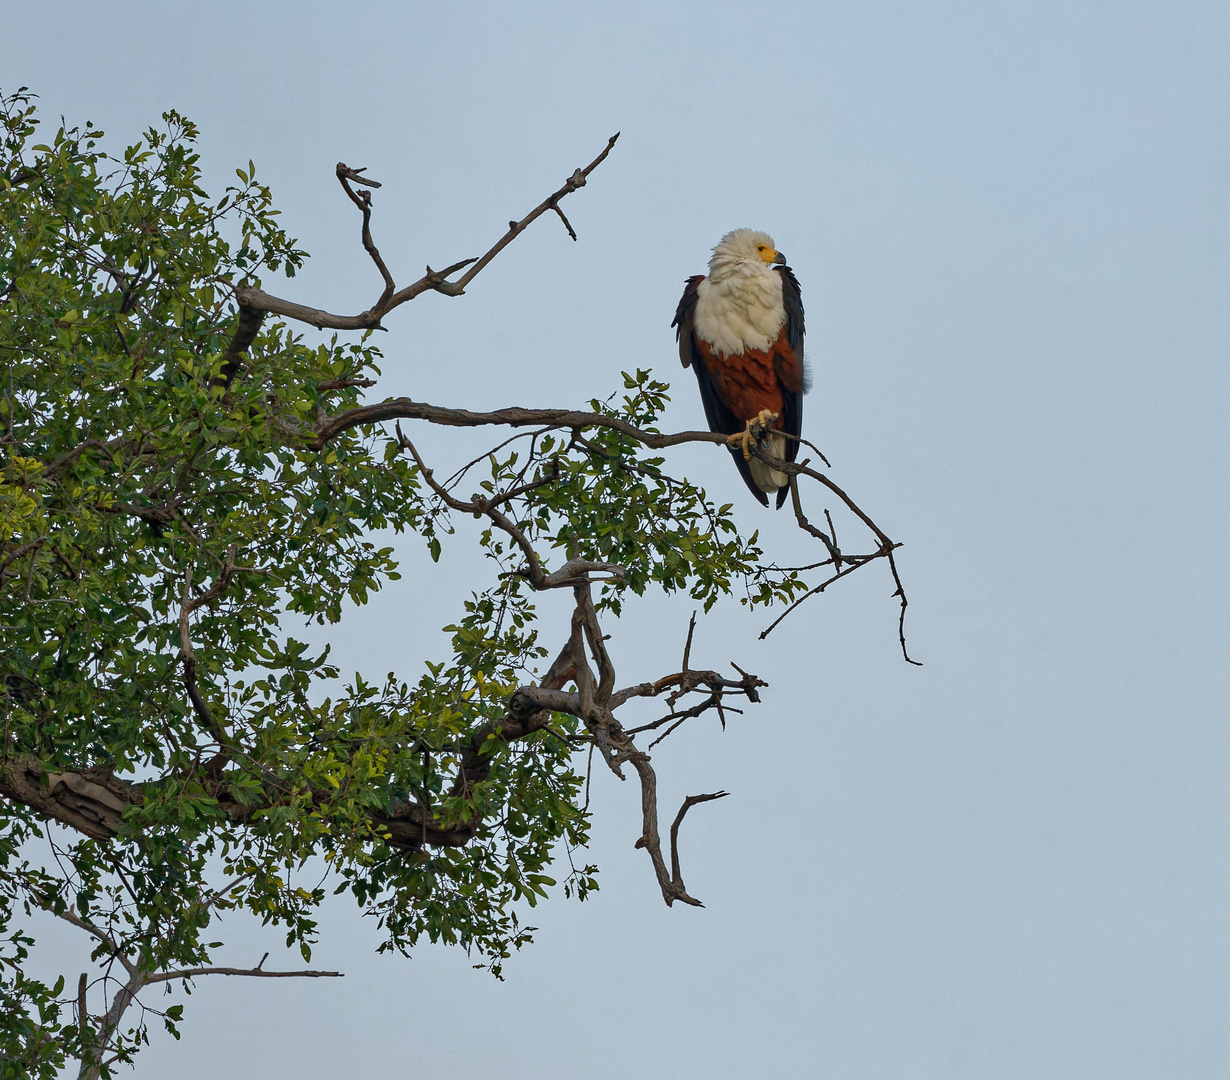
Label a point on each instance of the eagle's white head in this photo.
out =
(742, 251)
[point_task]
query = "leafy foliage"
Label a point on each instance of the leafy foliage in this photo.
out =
(162, 509)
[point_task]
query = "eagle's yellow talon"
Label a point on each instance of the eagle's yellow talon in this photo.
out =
(756, 428)
(764, 419)
(743, 440)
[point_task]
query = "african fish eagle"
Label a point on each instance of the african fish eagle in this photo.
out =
(741, 330)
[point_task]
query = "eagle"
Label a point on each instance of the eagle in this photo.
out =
(741, 330)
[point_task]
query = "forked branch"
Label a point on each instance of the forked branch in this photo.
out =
(255, 303)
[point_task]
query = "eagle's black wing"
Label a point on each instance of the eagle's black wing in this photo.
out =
(796, 380)
(719, 417)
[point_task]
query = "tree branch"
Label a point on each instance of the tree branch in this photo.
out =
(17, 552)
(188, 605)
(404, 408)
(688, 803)
(256, 303)
(363, 200)
(70, 916)
(257, 972)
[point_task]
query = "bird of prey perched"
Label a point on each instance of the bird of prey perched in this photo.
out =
(741, 330)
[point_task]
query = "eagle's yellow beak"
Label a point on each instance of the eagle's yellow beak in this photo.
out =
(778, 259)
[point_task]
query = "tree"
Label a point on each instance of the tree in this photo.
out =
(180, 470)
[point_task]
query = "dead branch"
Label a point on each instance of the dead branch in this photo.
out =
(829, 542)
(682, 716)
(815, 591)
(688, 803)
(363, 200)
(900, 594)
(257, 303)
(575, 572)
(257, 972)
(687, 645)
(671, 884)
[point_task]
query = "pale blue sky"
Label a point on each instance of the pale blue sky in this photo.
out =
(1011, 226)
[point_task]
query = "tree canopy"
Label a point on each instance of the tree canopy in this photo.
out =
(182, 470)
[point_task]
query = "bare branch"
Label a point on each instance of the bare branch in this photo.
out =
(363, 200)
(257, 302)
(576, 572)
(850, 504)
(805, 442)
(900, 594)
(590, 705)
(567, 223)
(671, 884)
(829, 542)
(576, 180)
(252, 973)
(886, 549)
(814, 592)
(681, 717)
(687, 645)
(688, 803)
(357, 177)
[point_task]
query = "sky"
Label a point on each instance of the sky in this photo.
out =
(1011, 222)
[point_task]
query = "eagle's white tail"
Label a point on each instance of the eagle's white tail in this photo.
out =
(767, 478)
